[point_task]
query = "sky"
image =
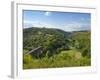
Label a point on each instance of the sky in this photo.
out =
(67, 21)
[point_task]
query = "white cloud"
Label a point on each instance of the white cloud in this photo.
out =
(74, 26)
(28, 24)
(42, 24)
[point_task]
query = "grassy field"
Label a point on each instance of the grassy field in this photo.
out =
(70, 58)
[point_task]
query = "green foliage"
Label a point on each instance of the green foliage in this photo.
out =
(50, 39)
(60, 48)
(81, 42)
(69, 58)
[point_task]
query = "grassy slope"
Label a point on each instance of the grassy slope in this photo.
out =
(64, 59)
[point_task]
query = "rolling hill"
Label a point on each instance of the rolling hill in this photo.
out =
(59, 48)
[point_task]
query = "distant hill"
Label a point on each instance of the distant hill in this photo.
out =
(52, 31)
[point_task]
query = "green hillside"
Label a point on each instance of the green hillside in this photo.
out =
(58, 48)
(82, 42)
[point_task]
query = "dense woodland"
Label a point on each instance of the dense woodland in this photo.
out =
(58, 48)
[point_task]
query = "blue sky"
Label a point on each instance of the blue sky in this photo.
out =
(68, 21)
